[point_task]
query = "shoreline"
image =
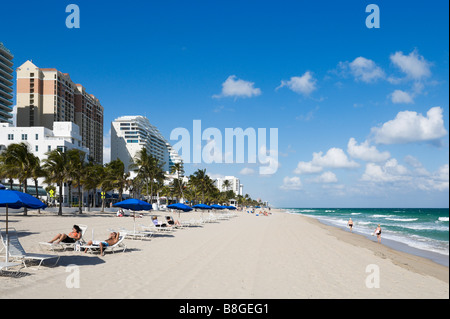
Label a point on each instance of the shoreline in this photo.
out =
(396, 245)
(399, 257)
(279, 256)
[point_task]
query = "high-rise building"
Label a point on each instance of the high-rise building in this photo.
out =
(234, 184)
(6, 78)
(46, 95)
(129, 134)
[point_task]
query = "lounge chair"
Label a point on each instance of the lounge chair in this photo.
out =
(136, 234)
(117, 246)
(17, 252)
(64, 246)
(5, 265)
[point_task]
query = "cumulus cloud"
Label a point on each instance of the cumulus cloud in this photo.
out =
(401, 97)
(366, 152)
(326, 177)
(234, 87)
(334, 158)
(307, 168)
(362, 69)
(291, 183)
(304, 84)
(413, 65)
(410, 127)
(391, 171)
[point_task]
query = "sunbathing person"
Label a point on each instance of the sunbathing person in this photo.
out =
(71, 238)
(172, 222)
(156, 223)
(113, 239)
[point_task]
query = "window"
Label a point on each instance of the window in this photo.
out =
(37, 148)
(49, 148)
(24, 137)
(10, 137)
(37, 137)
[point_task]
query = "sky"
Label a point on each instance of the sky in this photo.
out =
(361, 114)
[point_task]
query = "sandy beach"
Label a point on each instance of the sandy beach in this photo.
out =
(282, 256)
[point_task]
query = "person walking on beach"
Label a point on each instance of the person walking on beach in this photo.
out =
(378, 233)
(350, 224)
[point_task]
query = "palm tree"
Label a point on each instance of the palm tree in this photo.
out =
(56, 169)
(19, 163)
(148, 168)
(178, 168)
(204, 183)
(91, 179)
(117, 177)
(76, 169)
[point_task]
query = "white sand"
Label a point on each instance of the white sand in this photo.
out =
(280, 256)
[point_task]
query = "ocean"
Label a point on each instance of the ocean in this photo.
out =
(420, 231)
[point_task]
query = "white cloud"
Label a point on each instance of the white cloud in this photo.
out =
(247, 171)
(291, 183)
(413, 65)
(304, 84)
(334, 158)
(365, 70)
(307, 168)
(391, 171)
(399, 96)
(366, 152)
(409, 127)
(326, 177)
(238, 88)
(361, 69)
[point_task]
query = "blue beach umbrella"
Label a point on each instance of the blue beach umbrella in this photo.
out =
(215, 206)
(16, 199)
(230, 207)
(179, 206)
(134, 204)
(202, 206)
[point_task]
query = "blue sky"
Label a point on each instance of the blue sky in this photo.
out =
(362, 114)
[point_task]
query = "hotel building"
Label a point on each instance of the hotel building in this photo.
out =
(234, 184)
(46, 96)
(6, 84)
(129, 134)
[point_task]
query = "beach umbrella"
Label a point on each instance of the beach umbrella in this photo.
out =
(202, 207)
(134, 205)
(180, 207)
(215, 206)
(16, 199)
(230, 207)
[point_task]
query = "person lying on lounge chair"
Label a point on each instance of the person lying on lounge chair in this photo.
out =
(113, 239)
(156, 223)
(172, 222)
(71, 238)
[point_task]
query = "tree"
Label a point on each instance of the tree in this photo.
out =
(56, 170)
(178, 168)
(117, 177)
(76, 169)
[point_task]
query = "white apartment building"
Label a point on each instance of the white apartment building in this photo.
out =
(129, 134)
(235, 184)
(40, 140)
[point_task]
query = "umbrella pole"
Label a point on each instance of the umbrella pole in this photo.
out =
(7, 237)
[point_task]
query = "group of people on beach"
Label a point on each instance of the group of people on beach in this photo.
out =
(75, 235)
(376, 232)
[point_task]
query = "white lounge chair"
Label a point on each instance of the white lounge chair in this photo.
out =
(64, 246)
(136, 234)
(117, 246)
(17, 252)
(7, 265)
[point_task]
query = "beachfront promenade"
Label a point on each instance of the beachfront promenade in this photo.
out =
(278, 256)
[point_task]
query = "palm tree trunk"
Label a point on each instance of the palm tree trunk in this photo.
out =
(60, 198)
(80, 200)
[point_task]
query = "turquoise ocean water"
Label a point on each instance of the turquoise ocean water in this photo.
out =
(423, 231)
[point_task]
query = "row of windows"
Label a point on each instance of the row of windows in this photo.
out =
(24, 137)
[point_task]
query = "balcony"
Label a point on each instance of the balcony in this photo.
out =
(6, 67)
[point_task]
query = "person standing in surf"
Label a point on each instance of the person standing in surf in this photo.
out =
(378, 233)
(350, 224)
